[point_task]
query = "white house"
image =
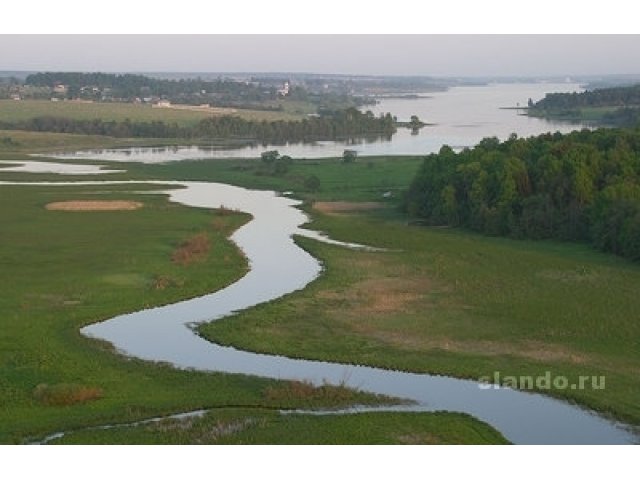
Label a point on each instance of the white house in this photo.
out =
(284, 91)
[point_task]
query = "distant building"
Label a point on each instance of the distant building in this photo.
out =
(163, 104)
(60, 88)
(15, 96)
(284, 91)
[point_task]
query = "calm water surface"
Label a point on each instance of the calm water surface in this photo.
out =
(463, 116)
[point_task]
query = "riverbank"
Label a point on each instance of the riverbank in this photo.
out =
(454, 303)
(261, 426)
(54, 379)
(519, 346)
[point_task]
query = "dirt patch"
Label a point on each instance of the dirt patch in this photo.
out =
(532, 350)
(94, 205)
(379, 296)
(371, 307)
(66, 394)
(337, 208)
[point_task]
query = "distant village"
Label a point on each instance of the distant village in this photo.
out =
(89, 93)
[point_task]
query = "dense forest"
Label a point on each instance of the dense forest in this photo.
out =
(582, 186)
(349, 123)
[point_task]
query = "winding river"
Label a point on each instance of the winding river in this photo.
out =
(463, 115)
(277, 267)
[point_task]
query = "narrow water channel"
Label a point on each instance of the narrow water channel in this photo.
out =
(278, 267)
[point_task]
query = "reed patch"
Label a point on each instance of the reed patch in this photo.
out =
(193, 250)
(62, 394)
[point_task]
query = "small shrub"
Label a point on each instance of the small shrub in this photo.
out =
(8, 142)
(312, 183)
(349, 156)
(161, 282)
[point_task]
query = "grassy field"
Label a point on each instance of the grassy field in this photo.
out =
(62, 270)
(11, 111)
(365, 180)
(246, 426)
(440, 300)
(449, 302)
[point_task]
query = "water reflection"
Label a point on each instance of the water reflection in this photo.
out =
(459, 117)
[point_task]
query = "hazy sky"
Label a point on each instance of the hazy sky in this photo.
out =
(456, 55)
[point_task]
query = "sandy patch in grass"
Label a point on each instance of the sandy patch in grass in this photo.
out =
(379, 296)
(94, 205)
(337, 208)
(532, 350)
(372, 306)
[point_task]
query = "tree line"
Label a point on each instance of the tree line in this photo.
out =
(129, 86)
(615, 106)
(582, 186)
(601, 97)
(350, 123)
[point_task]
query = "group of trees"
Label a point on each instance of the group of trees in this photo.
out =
(350, 123)
(615, 106)
(129, 86)
(601, 97)
(341, 124)
(582, 186)
(276, 164)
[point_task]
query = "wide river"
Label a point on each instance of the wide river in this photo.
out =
(462, 116)
(278, 267)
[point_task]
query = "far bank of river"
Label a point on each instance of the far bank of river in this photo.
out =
(461, 117)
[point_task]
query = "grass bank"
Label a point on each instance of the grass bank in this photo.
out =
(451, 302)
(259, 426)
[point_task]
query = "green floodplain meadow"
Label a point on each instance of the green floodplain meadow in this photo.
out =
(438, 300)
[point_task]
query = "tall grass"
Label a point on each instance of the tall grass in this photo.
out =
(66, 394)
